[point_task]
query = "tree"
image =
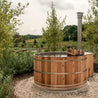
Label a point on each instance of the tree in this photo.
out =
(53, 34)
(17, 38)
(35, 42)
(91, 24)
(43, 42)
(9, 21)
(70, 32)
(41, 45)
(24, 42)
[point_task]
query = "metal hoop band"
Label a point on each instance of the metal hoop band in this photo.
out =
(60, 60)
(60, 85)
(61, 73)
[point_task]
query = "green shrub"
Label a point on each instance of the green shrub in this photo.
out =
(5, 86)
(24, 62)
(11, 64)
(17, 63)
(46, 50)
(41, 45)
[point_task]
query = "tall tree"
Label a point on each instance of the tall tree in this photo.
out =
(91, 23)
(8, 21)
(70, 32)
(53, 33)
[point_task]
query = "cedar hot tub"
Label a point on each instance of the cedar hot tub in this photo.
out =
(57, 71)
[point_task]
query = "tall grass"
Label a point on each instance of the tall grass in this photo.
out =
(12, 64)
(17, 63)
(5, 85)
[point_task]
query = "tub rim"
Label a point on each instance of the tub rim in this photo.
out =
(44, 54)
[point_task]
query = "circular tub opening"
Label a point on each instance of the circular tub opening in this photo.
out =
(52, 54)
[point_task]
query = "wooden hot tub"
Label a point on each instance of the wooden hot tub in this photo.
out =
(57, 71)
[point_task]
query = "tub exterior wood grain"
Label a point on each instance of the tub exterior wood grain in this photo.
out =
(62, 72)
(90, 64)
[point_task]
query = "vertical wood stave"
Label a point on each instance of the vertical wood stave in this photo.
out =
(62, 67)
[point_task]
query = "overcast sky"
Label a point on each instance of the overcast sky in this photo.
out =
(35, 14)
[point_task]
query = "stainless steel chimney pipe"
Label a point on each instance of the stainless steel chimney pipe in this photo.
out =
(79, 37)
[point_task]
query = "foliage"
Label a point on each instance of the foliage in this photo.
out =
(91, 28)
(70, 32)
(17, 63)
(24, 41)
(91, 24)
(17, 38)
(53, 33)
(5, 86)
(43, 42)
(8, 21)
(41, 46)
(13, 64)
(35, 42)
(26, 37)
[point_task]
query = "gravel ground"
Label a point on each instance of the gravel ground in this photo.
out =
(26, 89)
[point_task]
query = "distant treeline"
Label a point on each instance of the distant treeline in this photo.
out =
(26, 37)
(20, 38)
(70, 33)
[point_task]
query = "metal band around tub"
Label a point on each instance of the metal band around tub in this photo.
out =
(61, 85)
(60, 60)
(61, 73)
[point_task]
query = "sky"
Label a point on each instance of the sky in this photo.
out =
(35, 15)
